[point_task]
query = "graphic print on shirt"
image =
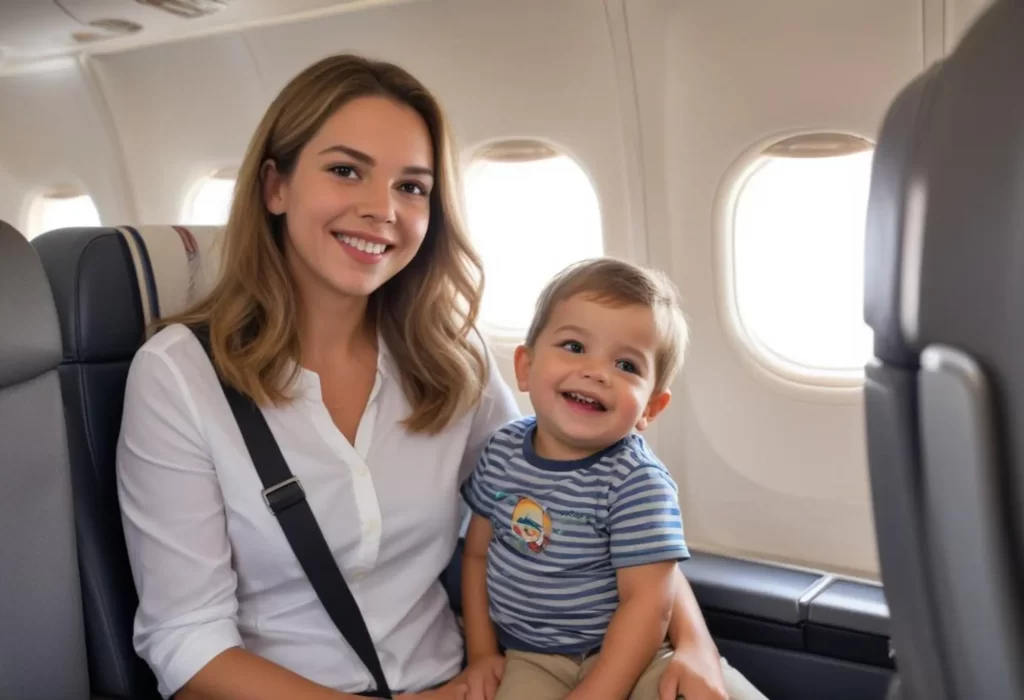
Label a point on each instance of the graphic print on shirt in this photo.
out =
(531, 524)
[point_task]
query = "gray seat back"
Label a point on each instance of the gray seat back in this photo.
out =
(944, 280)
(109, 284)
(42, 643)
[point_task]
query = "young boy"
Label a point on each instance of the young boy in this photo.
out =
(576, 530)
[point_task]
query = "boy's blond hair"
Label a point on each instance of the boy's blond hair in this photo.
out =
(621, 283)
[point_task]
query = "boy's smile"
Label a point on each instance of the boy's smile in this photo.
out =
(590, 376)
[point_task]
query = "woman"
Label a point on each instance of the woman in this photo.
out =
(346, 310)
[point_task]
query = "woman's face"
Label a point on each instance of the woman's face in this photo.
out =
(357, 204)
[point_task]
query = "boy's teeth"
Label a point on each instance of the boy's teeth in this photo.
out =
(580, 397)
(363, 245)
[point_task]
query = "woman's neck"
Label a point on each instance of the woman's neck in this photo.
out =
(332, 328)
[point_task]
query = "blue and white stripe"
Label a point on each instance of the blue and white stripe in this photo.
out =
(616, 509)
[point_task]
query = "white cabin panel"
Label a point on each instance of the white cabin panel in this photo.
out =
(765, 464)
(183, 111)
(55, 134)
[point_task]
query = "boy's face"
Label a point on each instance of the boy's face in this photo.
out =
(590, 376)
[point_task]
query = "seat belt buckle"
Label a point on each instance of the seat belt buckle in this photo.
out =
(284, 495)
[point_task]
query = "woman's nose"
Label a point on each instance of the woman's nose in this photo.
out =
(377, 203)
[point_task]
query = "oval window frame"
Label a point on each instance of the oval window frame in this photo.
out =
(517, 150)
(841, 385)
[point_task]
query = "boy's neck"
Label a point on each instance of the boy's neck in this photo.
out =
(546, 446)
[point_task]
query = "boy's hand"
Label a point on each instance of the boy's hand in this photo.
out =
(484, 677)
(693, 674)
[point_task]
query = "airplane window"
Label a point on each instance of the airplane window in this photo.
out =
(61, 207)
(798, 253)
(531, 211)
(210, 203)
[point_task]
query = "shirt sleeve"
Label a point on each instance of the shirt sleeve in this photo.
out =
(474, 489)
(497, 407)
(644, 519)
(175, 527)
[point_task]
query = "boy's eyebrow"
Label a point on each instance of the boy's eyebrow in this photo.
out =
(636, 352)
(368, 159)
(571, 327)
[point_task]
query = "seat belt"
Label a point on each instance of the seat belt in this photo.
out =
(284, 495)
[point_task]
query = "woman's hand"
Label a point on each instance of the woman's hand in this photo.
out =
(455, 689)
(484, 676)
(693, 674)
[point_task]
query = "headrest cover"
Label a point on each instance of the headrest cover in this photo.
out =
(29, 331)
(176, 266)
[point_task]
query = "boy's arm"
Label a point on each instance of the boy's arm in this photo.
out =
(481, 639)
(636, 631)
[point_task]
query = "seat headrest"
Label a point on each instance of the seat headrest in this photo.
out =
(890, 217)
(110, 284)
(29, 331)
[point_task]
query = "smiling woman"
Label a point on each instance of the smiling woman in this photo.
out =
(345, 311)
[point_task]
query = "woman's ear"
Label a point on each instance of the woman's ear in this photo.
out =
(275, 189)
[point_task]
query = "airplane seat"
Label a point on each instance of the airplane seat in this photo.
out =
(109, 284)
(944, 397)
(42, 638)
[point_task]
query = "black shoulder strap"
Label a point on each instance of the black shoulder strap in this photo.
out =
(284, 495)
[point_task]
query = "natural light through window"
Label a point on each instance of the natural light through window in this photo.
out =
(63, 208)
(531, 212)
(798, 255)
(211, 200)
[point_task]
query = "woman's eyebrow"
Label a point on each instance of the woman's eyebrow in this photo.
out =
(368, 160)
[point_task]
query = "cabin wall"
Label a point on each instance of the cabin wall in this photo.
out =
(658, 100)
(54, 134)
(765, 458)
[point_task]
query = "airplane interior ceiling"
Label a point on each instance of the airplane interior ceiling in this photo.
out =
(662, 103)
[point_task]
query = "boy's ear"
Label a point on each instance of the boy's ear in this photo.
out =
(523, 359)
(273, 187)
(655, 405)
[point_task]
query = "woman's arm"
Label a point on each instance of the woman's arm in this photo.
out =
(235, 674)
(496, 408)
(176, 535)
(687, 627)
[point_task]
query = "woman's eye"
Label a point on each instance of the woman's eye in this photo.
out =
(627, 366)
(413, 188)
(346, 171)
(573, 346)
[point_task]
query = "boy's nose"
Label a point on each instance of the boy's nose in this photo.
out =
(597, 374)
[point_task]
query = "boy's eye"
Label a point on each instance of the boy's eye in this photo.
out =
(627, 366)
(573, 346)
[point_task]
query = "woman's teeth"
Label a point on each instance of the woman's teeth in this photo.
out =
(362, 244)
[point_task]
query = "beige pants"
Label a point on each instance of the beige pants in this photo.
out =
(530, 676)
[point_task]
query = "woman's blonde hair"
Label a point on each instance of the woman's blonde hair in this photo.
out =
(424, 313)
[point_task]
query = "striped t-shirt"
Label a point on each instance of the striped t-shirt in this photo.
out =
(562, 528)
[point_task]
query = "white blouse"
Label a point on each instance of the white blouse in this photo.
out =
(211, 563)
